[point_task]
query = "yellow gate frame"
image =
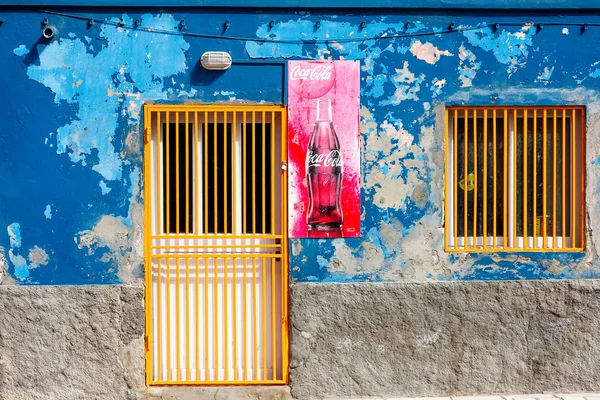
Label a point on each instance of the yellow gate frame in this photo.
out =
(276, 250)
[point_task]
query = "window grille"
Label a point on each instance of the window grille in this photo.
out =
(514, 179)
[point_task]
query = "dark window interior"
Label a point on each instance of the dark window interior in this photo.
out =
(185, 178)
(485, 150)
(257, 161)
(260, 178)
(217, 179)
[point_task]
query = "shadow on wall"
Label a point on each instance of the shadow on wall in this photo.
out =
(204, 77)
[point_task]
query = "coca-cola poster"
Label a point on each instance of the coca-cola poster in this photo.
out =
(324, 152)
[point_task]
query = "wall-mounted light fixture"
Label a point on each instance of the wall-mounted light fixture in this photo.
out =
(48, 31)
(216, 60)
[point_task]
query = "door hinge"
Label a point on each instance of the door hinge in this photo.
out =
(146, 345)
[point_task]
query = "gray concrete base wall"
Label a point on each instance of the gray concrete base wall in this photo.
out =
(404, 339)
(71, 342)
(425, 339)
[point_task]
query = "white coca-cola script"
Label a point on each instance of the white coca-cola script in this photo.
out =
(331, 159)
(318, 73)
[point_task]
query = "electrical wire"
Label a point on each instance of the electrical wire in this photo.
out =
(451, 29)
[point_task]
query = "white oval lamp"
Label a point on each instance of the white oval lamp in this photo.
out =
(216, 60)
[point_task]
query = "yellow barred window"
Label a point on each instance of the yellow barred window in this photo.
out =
(515, 179)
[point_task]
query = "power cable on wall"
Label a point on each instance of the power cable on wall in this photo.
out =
(451, 29)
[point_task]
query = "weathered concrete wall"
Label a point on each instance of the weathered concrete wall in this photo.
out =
(71, 342)
(82, 342)
(419, 339)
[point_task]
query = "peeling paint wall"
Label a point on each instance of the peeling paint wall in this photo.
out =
(71, 140)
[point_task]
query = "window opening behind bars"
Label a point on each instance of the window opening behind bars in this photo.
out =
(515, 179)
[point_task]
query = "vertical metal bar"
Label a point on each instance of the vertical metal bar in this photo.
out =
(216, 312)
(215, 168)
(475, 178)
(273, 331)
(148, 261)
(446, 183)
(564, 180)
(272, 134)
(254, 173)
(505, 183)
(206, 337)
(254, 316)
(234, 308)
(535, 177)
(159, 320)
(466, 176)
(515, 133)
(263, 175)
(168, 271)
(455, 178)
(187, 173)
(495, 195)
(147, 243)
(245, 315)
(485, 157)
(525, 238)
(177, 200)
(285, 250)
(225, 316)
(159, 179)
(544, 183)
(206, 185)
(168, 187)
(244, 204)
(187, 318)
(264, 314)
(573, 180)
(177, 321)
(197, 310)
(196, 154)
(582, 173)
(234, 133)
(225, 178)
(554, 185)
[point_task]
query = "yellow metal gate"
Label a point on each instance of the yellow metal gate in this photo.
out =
(216, 244)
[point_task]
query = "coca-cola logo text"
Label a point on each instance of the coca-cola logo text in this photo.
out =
(318, 73)
(331, 159)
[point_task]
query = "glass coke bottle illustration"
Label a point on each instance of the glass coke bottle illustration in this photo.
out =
(324, 172)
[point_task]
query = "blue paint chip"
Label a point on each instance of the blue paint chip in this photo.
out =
(14, 234)
(21, 51)
(104, 188)
(48, 212)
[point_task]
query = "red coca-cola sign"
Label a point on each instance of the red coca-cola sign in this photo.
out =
(324, 156)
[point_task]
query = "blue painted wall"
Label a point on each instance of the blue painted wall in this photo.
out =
(71, 145)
